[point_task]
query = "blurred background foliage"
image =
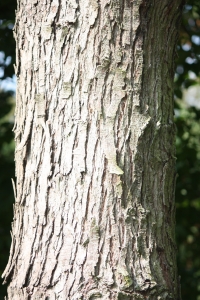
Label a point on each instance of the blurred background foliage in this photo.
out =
(7, 58)
(187, 117)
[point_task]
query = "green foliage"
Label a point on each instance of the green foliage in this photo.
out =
(7, 46)
(188, 199)
(188, 60)
(7, 171)
(188, 154)
(7, 42)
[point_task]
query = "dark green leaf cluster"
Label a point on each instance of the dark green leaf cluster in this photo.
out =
(7, 171)
(188, 61)
(188, 199)
(7, 42)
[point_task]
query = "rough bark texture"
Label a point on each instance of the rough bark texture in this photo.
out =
(95, 155)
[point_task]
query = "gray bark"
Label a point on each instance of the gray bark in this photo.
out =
(95, 154)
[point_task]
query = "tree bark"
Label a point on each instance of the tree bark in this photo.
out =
(95, 155)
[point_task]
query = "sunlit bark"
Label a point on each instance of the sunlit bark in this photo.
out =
(95, 156)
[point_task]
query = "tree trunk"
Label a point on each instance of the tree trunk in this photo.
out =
(95, 154)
